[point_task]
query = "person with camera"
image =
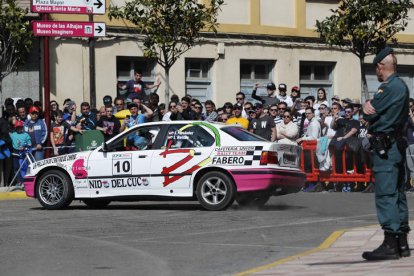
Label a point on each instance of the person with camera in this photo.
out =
(268, 100)
(86, 119)
(386, 114)
(108, 124)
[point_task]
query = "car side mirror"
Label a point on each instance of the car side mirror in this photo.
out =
(104, 147)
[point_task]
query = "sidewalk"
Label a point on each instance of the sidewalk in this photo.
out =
(340, 254)
(8, 193)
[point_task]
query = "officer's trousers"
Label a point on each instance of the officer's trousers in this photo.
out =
(390, 199)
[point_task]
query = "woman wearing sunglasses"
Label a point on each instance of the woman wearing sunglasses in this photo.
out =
(287, 131)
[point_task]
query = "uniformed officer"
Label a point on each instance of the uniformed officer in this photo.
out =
(386, 114)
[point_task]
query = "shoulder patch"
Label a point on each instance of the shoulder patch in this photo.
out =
(380, 91)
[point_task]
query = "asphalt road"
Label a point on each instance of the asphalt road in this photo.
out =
(165, 238)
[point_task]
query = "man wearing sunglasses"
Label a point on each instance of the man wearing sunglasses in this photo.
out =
(283, 97)
(263, 125)
(237, 117)
(346, 131)
(241, 100)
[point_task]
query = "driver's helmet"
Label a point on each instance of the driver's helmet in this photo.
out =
(140, 142)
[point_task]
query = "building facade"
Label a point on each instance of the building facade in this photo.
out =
(257, 41)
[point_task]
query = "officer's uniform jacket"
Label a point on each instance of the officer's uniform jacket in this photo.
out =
(391, 106)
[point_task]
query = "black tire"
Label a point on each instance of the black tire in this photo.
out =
(252, 200)
(54, 190)
(96, 203)
(215, 191)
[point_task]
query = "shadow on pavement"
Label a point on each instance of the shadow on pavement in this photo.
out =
(340, 263)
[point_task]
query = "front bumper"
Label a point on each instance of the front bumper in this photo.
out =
(29, 185)
(276, 180)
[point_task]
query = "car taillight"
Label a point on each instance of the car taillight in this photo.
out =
(268, 157)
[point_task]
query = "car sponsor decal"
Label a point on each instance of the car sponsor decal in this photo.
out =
(79, 169)
(80, 184)
(210, 127)
(54, 160)
(237, 155)
(122, 164)
(115, 183)
(166, 171)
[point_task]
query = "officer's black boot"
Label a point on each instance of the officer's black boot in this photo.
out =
(404, 248)
(388, 250)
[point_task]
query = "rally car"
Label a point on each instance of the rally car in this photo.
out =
(212, 163)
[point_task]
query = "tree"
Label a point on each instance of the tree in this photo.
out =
(15, 39)
(170, 27)
(364, 27)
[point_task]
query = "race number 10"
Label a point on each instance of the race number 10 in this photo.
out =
(121, 167)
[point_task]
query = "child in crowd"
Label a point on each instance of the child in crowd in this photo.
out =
(37, 130)
(60, 134)
(21, 142)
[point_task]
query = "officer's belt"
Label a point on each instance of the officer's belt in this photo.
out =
(391, 136)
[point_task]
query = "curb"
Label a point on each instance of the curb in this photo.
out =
(13, 195)
(324, 245)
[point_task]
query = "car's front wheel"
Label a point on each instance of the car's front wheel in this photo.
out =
(96, 203)
(215, 191)
(54, 190)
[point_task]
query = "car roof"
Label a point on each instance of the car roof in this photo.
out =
(217, 125)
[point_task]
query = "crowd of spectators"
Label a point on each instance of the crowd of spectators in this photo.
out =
(276, 116)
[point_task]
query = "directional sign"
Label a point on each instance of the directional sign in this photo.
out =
(68, 6)
(68, 29)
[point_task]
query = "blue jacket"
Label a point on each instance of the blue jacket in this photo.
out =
(4, 150)
(37, 131)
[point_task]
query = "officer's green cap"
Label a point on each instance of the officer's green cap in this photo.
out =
(382, 54)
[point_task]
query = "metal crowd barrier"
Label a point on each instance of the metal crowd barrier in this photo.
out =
(332, 176)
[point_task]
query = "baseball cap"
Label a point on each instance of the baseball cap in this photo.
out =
(258, 105)
(336, 97)
(33, 109)
(282, 86)
(107, 100)
(18, 123)
(271, 86)
(295, 88)
(237, 106)
(347, 100)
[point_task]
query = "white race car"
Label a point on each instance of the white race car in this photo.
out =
(213, 163)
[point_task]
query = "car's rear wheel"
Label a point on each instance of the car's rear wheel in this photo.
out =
(215, 191)
(96, 203)
(252, 200)
(54, 190)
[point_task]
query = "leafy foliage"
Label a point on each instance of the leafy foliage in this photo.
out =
(170, 27)
(15, 38)
(364, 26)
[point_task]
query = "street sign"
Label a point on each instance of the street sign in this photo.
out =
(68, 6)
(68, 28)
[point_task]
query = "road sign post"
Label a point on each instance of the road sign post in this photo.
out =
(68, 28)
(68, 6)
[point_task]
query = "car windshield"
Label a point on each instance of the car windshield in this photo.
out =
(241, 134)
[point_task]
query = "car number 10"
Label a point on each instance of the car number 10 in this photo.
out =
(121, 167)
